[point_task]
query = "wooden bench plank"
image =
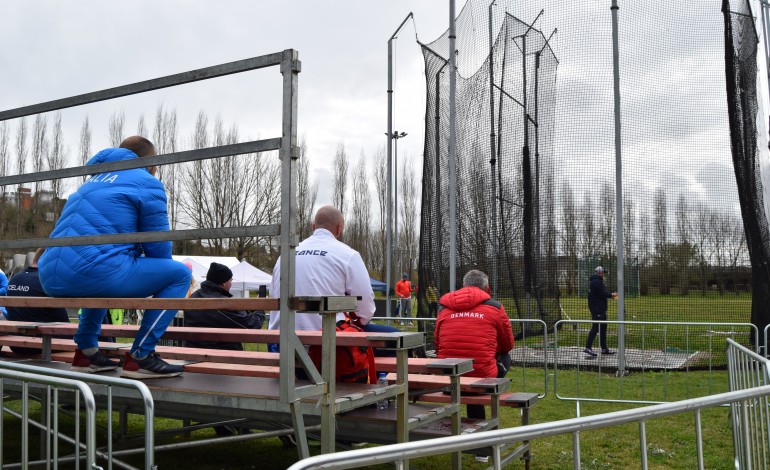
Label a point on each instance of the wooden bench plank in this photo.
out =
(432, 382)
(312, 304)
(243, 370)
(58, 344)
(417, 365)
(507, 399)
(239, 335)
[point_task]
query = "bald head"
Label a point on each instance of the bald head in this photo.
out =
(330, 218)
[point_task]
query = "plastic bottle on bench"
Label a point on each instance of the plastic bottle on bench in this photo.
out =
(382, 380)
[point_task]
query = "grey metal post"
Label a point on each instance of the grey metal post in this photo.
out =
(618, 194)
(493, 157)
(452, 150)
(764, 11)
(288, 154)
(538, 254)
(389, 231)
(525, 112)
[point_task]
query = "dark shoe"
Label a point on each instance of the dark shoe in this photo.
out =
(150, 367)
(590, 352)
(225, 431)
(607, 352)
(288, 441)
(98, 362)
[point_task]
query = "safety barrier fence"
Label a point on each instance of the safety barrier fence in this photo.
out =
(659, 361)
(525, 358)
(750, 419)
(766, 346)
(362, 458)
(51, 399)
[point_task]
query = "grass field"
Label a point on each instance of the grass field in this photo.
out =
(670, 441)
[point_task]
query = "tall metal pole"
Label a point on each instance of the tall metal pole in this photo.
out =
(452, 150)
(389, 230)
(618, 193)
(493, 159)
(527, 183)
(395, 203)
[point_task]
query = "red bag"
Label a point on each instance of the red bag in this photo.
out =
(355, 364)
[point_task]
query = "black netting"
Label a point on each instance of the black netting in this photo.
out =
(536, 171)
(741, 72)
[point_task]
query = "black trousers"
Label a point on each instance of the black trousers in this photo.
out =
(503, 364)
(601, 328)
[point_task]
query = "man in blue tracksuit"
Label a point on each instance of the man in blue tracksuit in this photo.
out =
(110, 203)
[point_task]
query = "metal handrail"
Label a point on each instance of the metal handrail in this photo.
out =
(140, 387)
(537, 321)
(751, 330)
(750, 421)
(496, 438)
(49, 379)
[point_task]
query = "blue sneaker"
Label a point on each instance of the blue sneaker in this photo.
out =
(590, 352)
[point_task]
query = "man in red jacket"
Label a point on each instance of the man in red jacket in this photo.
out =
(470, 324)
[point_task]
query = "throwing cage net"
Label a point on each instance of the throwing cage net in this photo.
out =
(536, 171)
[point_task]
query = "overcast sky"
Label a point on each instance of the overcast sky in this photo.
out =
(58, 49)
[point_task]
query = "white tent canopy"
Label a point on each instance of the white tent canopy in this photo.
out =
(246, 277)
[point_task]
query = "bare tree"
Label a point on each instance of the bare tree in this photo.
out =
(141, 128)
(57, 159)
(21, 146)
(341, 164)
(307, 192)
(165, 136)
(661, 235)
(629, 226)
(230, 191)
(607, 229)
(408, 239)
(358, 231)
(115, 127)
(684, 239)
(84, 144)
(21, 160)
(379, 240)
(5, 155)
(40, 146)
(570, 238)
(588, 245)
(704, 224)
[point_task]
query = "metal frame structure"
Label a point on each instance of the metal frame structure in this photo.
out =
(363, 458)
(292, 351)
(14, 371)
(748, 329)
(750, 419)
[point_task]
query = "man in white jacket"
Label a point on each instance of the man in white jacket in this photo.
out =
(326, 266)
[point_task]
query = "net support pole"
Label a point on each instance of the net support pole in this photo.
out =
(618, 194)
(493, 160)
(389, 230)
(452, 150)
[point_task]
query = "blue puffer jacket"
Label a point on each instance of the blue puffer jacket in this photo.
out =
(106, 203)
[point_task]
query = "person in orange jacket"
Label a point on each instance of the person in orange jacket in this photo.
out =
(404, 293)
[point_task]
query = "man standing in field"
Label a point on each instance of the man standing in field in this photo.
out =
(597, 304)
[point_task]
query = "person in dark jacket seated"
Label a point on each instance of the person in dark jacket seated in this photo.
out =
(219, 280)
(26, 283)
